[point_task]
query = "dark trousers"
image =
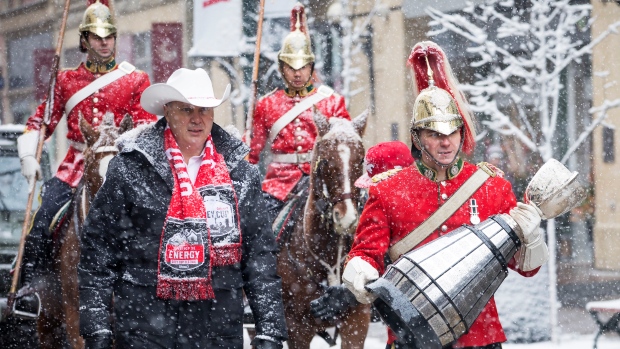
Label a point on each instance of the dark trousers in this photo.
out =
(144, 321)
(490, 346)
(54, 194)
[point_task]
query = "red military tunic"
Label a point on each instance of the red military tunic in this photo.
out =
(297, 137)
(399, 204)
(119, 97)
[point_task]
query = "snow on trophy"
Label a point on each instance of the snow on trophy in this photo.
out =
(431, 296)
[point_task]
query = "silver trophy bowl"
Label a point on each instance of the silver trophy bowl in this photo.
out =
(554, 189)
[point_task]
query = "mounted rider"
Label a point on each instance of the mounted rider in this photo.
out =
(283, 119)
(96, 87)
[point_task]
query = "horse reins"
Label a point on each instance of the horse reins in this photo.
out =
(333, 272)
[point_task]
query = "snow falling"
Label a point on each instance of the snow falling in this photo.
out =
(541, 77)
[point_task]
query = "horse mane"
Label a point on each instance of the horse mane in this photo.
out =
(129, 138)
(341, 129)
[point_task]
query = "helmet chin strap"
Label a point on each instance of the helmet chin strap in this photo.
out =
(99, 59)
(416, 140)
(288, 84)
(298, 89)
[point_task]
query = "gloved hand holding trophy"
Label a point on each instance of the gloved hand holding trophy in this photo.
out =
(431, 296)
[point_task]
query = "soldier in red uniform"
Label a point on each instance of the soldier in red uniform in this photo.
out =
(80, 91)
(283, 120)
(441, 128)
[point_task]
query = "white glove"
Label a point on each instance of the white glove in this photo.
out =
(27, 149)
(534, 252)
(356, 275)
(532, 255)
(528, 217)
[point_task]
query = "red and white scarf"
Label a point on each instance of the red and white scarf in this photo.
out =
(201, 229)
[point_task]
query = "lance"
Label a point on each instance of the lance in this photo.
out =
(254, 85)
(49, 104)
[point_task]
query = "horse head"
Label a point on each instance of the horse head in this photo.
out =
(338, 158)
(100, 148)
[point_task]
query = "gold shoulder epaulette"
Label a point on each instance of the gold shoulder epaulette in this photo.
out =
(385, 175)
(491, 169)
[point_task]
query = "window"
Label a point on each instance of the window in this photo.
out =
(21, 59)
(394, 131)
(609, 154)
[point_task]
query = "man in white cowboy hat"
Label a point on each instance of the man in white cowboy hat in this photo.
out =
(96, 87)
(150, 239)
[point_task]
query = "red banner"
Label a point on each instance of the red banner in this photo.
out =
(211, 2)
(43, 59)
(166, 49)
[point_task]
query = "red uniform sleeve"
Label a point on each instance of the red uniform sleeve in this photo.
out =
(259, 133)
(139, 115)
(35, 121)
(372, 237)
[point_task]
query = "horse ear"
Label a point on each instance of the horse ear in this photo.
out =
(126, 124)
(88, 131)
(360, 121)
(321, 122)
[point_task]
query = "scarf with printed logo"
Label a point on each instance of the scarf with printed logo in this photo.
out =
(201, 229)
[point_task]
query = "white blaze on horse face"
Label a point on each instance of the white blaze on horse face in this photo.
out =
(103, 165)
(350, 217)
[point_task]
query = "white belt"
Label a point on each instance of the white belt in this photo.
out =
(77, 145)
(292, 158)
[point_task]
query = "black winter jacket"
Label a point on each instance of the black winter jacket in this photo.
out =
(120, 246)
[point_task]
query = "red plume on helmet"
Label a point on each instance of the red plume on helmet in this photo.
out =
(444, 79)
(103, 2)
(299, 11)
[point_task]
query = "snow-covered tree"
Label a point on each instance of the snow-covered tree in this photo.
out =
(352, 40)
(521, 49)
(523, 59)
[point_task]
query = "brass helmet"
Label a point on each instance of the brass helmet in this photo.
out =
(296, 49)
(435, 109)
(439, 106)
(98, 20)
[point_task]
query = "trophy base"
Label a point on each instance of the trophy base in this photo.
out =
(410, 327)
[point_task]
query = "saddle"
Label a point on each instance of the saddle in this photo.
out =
(284, 223)
(59, 219)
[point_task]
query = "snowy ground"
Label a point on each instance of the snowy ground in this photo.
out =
(377, 339)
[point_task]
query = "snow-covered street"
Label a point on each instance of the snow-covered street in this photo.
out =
(377, 336)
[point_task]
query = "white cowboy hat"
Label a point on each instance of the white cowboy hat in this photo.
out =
(184, 85)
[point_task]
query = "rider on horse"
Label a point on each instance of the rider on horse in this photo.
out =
(94, 88)
(283, 118)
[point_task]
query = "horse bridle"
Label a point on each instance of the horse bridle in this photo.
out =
(333, 272)
(333, 200)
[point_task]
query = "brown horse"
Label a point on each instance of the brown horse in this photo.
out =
(59, 319)
(313, 255)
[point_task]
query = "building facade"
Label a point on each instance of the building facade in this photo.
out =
(156, 36)
(606, 147)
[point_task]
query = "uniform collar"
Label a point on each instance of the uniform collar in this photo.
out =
(302, 93)
(431, 174)
(100, 67)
